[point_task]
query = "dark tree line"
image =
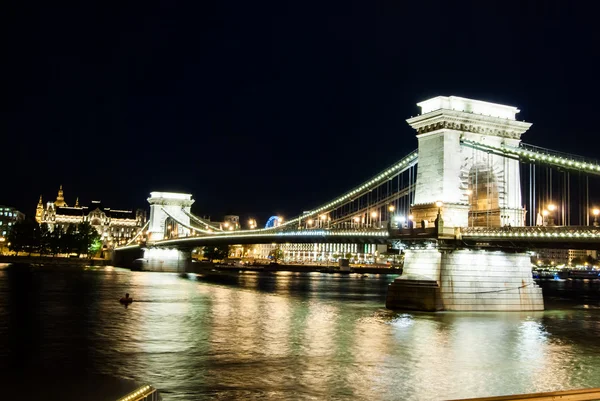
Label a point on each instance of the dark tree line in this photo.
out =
(581, 260)
(29, 237)
(217, 252)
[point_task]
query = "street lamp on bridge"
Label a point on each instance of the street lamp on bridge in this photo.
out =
(545, 214)
(596, 212)
(470, 216)
(391, 208)
(439, 222)
(322, 219)
(551, 209)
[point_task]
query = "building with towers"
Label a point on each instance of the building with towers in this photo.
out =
(115, 226)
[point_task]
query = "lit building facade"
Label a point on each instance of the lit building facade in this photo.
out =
(8, 217)
(116, 227)
(559, 257)
(313, 253)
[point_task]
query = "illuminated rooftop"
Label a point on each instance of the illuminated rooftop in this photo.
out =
(170, 195)
(468, 106)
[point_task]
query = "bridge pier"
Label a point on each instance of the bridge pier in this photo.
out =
(166, 260)
(465, 280)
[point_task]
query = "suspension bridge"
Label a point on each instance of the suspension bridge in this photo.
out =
(465, 208)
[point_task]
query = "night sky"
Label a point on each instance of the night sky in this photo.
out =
(271, 107)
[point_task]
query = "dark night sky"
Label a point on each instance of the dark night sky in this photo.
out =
(259, 108)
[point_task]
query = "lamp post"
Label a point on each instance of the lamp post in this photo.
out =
(309, 223)
(439, 222)
(596, 212)
(391, 208)
(322, 219)
(470, 213)
(356, 222)
(545, 217)
(373, 216)
(551, 209)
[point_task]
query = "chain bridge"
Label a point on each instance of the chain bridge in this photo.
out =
(465, 208)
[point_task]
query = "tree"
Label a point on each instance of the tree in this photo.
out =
(85, 237)
(24, 236)
(68, 240)
(95, 247)
(218, 252)
(578, 261)
(276, 255)
(19, 237)
(55, 240)
(45, 238)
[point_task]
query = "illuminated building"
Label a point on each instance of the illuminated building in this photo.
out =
(8, 217)
(231, 222)
(315, 252)
(559, 257)
(114, 226)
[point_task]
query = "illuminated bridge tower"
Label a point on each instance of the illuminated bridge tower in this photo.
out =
(476, 188)
(166, 207)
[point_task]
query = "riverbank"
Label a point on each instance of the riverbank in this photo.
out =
(203, 267)
(51, 262)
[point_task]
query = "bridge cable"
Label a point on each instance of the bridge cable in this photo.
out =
(137, 235)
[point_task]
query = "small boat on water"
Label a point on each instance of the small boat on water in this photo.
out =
(126, 300)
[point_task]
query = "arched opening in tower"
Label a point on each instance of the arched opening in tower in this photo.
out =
(484, 202)
(171, 228)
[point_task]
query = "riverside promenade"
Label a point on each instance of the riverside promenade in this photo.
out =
(50, 261)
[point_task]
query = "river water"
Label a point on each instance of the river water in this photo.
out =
(304, 336)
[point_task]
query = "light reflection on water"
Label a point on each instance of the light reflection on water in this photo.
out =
(284, 336)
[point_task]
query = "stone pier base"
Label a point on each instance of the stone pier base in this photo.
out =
(465, 280)
(166, 260)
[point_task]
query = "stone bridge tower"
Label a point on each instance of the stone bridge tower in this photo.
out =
(476, 188)
(169, 205)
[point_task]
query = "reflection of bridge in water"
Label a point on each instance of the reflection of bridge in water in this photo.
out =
(465, 218)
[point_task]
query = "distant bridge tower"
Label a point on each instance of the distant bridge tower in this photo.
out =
(477, 188)
(168, 205)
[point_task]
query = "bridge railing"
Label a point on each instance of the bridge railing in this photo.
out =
(530, 153)
(555, 153)
(532, 231)
(564, 395)
(144, 393)
(274, 235)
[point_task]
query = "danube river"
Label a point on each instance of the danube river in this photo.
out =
(298, 336)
